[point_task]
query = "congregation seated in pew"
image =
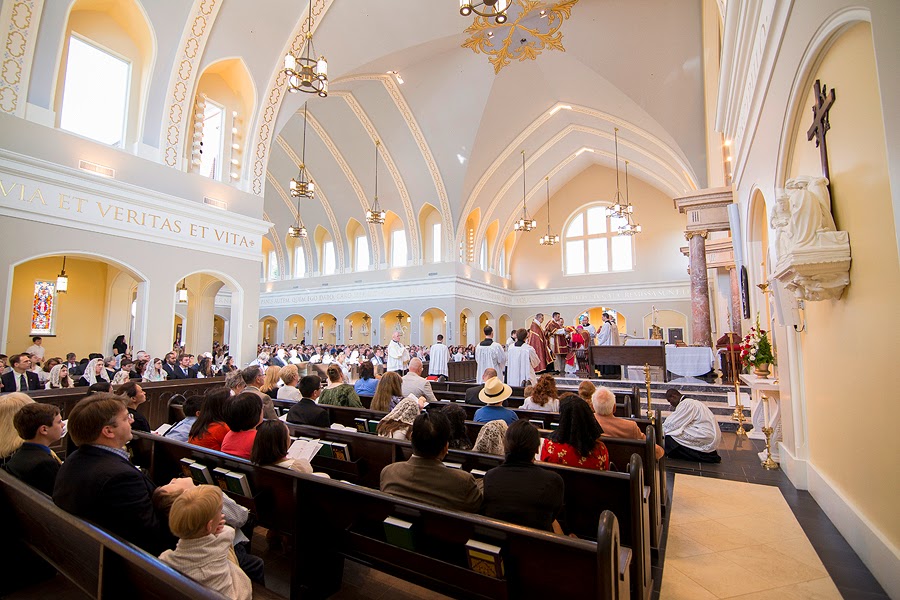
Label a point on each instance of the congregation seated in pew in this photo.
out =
(604, 403)
(424, 477)
(290, 377)
(337, 392)
(367, 382)
(398, 423)
(9, 437)
(388, 392)
(271, 448)
(576, 442)
(210, 428)
(544, 396)
(306, 411)
(181, 430)
(492, 395)
(39, 425)
(491, 438)
(459, 437)
(242, 415)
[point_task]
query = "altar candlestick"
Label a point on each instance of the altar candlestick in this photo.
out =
(765, 401)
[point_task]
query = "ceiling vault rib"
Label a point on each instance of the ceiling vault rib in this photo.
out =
(279, 249)
(412, 224)
(354, 182)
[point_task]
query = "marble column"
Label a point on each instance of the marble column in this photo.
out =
(702, 334)
(736, 309)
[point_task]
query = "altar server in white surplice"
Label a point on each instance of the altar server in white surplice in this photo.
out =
(398, 354)
(692, 432)
(439, 356)
(490, 354)
(521, 360)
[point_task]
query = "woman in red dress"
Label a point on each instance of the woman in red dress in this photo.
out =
(577, 441)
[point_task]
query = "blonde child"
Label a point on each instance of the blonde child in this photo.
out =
(204, 551)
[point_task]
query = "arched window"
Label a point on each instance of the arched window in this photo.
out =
(329, 265)
(436, 242)
(362, 253)
(272, 273)
(592, 244)
(398, 248)
(299, 261)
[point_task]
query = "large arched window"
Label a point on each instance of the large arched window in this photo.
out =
(592, 243)
(299, 261)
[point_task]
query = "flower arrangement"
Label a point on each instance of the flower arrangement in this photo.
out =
(756, 349)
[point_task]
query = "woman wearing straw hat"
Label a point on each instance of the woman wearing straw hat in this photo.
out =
(493, 394)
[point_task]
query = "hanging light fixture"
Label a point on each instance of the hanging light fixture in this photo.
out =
(62, 280)
(305, 72)
(495, 9)
(302, 186)
(550, 239)
(375, 215)
(629, 227)
(182, 293)
(524, 224)
(617, 210)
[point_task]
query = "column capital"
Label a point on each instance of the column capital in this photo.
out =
(689, 234)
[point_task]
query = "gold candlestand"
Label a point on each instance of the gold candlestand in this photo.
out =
(738, 414)
(650, 414)
(769, 464)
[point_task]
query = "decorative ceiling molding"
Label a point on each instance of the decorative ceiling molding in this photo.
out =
(687, 174)
(19, 23)
(279, 249)
(183, 81)
(529, 42)
(406, 112)
(268, 109)
(354, 182)
(548, 145)
(284, 196)
(412, 224)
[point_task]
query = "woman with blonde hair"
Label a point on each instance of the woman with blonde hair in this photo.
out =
(586, 391)
(270, 384)
(9, 438)
(544, 397)
(338, 393)
(388, 393)
(398, 423)
(59, 378)
(491, 438)
(290, 376)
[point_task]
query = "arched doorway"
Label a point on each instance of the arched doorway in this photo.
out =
(595, 318)
(465, 324)
(395, 320)
(324, 329)
(505, 328)
(268, 328)
(357, 328)
(485, 319)
(195, 297)
(433, 322)
(84, 318)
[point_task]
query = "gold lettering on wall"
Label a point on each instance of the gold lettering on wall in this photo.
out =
(106, 210)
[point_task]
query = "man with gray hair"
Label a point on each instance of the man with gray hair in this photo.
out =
(604, 402)
(253, 378)
(415, 384)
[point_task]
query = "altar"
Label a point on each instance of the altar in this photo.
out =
(690, 361)
(762, 387)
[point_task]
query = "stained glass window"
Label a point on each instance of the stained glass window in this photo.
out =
(43, 308)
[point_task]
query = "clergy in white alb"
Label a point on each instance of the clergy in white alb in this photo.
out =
(691, 431)
(521, 360)
(398, 354)
(439, 356)
(490, 354)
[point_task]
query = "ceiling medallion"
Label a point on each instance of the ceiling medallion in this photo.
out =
(531, 27)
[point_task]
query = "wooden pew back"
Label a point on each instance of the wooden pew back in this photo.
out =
(99, 564)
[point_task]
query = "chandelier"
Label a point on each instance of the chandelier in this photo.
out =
(301, 187)
(305, 72)
(182, 293)
(375, 215)
(620, 205)
(62, 280)
(550, 239)
(629, 227)
(485, 8)
(524, 224)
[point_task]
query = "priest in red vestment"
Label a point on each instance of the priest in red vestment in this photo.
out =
(538, 341)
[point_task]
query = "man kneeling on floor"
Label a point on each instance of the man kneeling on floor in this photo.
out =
(692, 432)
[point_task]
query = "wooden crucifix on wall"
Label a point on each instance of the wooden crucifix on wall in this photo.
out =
(820, 125)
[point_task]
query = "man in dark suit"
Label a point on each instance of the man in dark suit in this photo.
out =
(98, 482)
(424, 477)
(472, 392)
(183, 369)
(307, 412)
(34, 462)
(72, 364)
(169, 365)
(21, 378)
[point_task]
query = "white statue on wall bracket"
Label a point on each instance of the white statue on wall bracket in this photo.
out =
(813, 257)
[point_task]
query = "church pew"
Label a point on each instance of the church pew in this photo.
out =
(332, 520)
(587, 492)
(97, 563)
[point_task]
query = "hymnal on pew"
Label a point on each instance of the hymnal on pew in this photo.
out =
(340, 451)
(186, 466)
(237, 483)
(200, 474)
(304, 449)
(360, 424)
(485, 558)
(373, 425)
(219, 474)
(325, 449)
(400, 533)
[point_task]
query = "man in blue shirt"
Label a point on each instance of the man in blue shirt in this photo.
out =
(493, 394)
(181, 430)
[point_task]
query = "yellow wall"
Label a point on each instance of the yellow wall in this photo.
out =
(81, 311)
(849, 348)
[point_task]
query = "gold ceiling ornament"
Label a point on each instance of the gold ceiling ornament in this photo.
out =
(532, 26)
